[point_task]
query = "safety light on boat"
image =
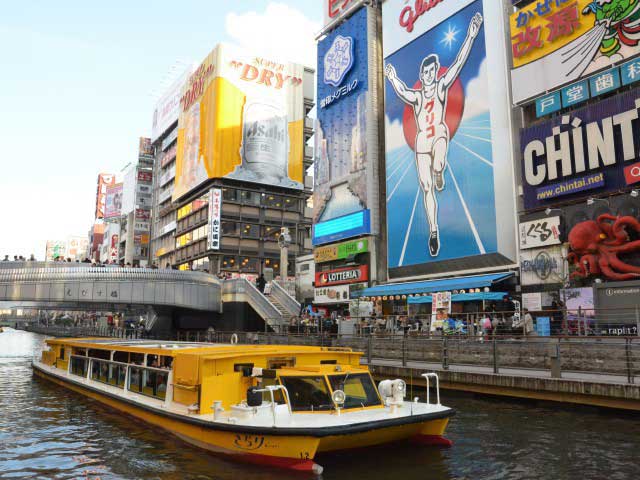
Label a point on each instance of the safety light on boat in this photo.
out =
(338, 397)
(392, 391)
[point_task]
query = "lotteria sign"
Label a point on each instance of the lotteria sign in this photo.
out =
(592, 150)
(342, 276)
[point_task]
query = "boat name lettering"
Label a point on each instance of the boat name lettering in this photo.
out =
(248, 442)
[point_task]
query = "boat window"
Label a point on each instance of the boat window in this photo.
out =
(308, 393)
(136, 358)
(152, 361)
(148, 382)
(62, 352)
(79, 366)
(280, 362)
(121, 357)
(245, 368)
(166, 362)
(108, 372)
(102, 354)
(358, 388)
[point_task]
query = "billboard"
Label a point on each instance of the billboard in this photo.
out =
(540, 233)
(591, 151)
(104, 180)
(557, 42)
(113, 201)
(340, 251)
(345, 167)
(168, 107)
(336, 9)
(543, 266)
(448, 156)
(339, 228)
(241, 117)
(55, 249)
(356, 274)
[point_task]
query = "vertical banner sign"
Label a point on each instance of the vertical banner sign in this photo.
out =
(215, 206)
(343, 162)
(113, 249)
(448, 170)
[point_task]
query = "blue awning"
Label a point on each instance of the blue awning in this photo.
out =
(463, 297)
(440, 285)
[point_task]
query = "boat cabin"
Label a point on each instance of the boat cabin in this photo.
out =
(203, 377)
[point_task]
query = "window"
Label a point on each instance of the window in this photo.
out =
(273, 201)
(79, 366)
(250, 230)
(250, 198)
(230, 228)
(229, 262)
(248, 264)
(304, 267)
(308, 393)
(272, 263)
(229, 194)
(150, 382)
(358, 388)
(271, 233)
(291, 204)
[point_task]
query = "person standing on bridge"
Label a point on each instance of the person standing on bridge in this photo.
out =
(261, 282)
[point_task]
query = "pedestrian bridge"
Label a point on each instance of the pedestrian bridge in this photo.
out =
(79, 284)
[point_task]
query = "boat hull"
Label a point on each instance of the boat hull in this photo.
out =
(283, 450)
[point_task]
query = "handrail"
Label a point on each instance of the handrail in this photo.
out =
(285, 299)
(435, 375)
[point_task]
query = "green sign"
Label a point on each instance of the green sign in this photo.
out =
(339, 251)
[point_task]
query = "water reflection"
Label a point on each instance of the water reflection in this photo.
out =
(48, 432)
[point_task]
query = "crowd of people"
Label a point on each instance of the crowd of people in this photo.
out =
(19, 258)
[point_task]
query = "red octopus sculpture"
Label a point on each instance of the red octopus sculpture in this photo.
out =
(595, 246)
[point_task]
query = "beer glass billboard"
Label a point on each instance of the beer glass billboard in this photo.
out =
(241, 117)
(448, 167)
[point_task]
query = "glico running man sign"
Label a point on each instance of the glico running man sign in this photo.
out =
(447, 167)
(592, 150)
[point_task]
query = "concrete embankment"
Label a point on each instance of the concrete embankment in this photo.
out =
(607, 391)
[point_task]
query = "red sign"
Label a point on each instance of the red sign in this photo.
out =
(143, 214)
(632, 173)
(335, 8)
(145, 177)
(342, 276)
(113, 251)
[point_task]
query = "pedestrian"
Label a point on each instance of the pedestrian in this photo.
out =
(6, 258)
(527, 323)
(32, 258)
(261, 282)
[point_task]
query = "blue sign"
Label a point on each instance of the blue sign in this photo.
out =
(543, 326)
(575, 94)
(351, 225)
(548, 104)
(604, 82)
(581, 153)
(630, 72)
(341, 159)
(432, 215)
(338, 60)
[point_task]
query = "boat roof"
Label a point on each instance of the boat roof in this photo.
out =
(171, 348)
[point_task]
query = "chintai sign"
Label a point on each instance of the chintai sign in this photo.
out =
(592, 150)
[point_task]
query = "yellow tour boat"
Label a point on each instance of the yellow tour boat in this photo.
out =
(279, 405)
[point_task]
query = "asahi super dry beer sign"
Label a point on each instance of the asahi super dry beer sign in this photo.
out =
(592, 150)
(241, 117)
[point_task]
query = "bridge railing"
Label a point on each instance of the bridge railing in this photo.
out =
(616, 358)
(284, 297)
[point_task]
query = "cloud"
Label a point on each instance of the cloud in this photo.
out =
(477, 94)
(280, 32)
(394, 135)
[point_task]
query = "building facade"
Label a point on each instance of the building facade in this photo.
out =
(230, 174)
(578, 164)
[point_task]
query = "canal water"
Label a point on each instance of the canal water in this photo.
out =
(48, 432)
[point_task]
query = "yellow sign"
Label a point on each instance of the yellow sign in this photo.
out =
(543, 27)
(241, 117)
(325, 254)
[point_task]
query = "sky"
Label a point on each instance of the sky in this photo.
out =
(79, 82)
